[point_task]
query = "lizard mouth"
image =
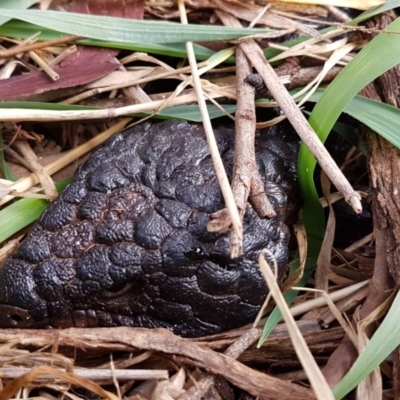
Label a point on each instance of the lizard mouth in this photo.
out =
(16, 317)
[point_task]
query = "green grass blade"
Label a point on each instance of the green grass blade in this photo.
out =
(384, 341)
(375, 59)
(24, 30)
(389, 5)
(380, 117)
(7, 173)
(14, 4)
(125, 30)
(23, 212)
(191, 112)
(372, 61)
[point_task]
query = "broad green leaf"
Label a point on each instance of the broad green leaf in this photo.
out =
(372, 61)
(384, 341)
(23, 212)
(125, 30)
(15, 4)
(380, 117)
(388, 5)
(24, 30)
(192, 112)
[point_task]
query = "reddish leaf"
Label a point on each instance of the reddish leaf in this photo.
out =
(85, 65)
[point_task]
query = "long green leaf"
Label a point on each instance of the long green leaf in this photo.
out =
(372, 61)
(380, 117)
(384, 341)
(127, 30)
(388, 5)
(22, 213)
(375, 59)
(24, 30)
(15, 4)
(312, 213)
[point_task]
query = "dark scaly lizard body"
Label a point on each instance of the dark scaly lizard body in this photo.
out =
(126, 243)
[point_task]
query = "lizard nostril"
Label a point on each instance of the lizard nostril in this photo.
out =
(15, 318)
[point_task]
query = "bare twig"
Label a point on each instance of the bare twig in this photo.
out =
(163, 341)
(212, 143)
(246, 180)
(299, 122)
(26, 183)
(301, 125)
(36, 46)
(233, 351)
(45, 179)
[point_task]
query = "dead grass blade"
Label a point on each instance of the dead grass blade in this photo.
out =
(314, 374)
(13, 387)
(26, 183)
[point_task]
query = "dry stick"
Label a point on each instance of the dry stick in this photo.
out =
(234, 351)
(34, 165)
(301, 125)
(299, 77)
(246, 180)
(26, 183)
(248, 379)
(325, 254)
(24, 380)
(35, 46)
(296, 118)
(380, 287)
(53, 75)
(212, 143)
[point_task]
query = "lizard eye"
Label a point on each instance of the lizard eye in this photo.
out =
(116, 291)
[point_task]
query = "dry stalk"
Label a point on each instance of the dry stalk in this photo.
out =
(45, 180)
(26, 183)
(36, 46)
(314, 374)
(212, 143)
(161, 340)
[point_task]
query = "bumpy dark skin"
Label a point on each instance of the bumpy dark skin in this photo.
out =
(126, 243)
